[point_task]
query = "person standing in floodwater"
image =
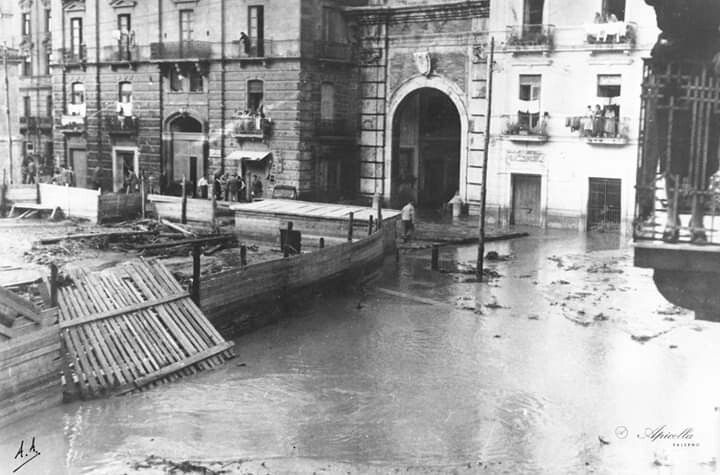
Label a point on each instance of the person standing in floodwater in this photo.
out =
(407, 215)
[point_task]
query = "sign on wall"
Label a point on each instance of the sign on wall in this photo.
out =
(524, 156)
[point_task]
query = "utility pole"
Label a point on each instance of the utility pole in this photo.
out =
(7, 109)
(488, 114)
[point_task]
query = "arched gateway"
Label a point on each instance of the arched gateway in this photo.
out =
(426, 140)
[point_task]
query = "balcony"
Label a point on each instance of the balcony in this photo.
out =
(520, 132)
(331, 128)
(35, 123)
(74, 57)
(251, 127)
(601, 132)
(331, 51)
(122, 125)
(269, 48)
(72, 124)
(119, 55)
(610, 37)
(180, 50)
(530, 39)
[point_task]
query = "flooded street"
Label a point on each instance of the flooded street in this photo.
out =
(566, 362)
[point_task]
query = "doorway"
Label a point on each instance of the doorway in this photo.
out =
(426, 149)
(526, 200)
(78, 163)
(123, 163)
(604, 203)
(188, 157)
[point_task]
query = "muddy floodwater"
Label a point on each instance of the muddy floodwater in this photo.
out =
(567, 362)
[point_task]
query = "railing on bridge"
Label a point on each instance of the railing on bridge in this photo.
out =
(678, 187)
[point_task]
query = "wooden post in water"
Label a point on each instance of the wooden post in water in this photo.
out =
(195, 294)
(53, 285)
(322, 243)
(435, 259)
(243, 255)
(351, 224)
(183, 210)
(370, 225)
(286, 246)
(214, 212)
(483, 192)
(379, 223)
(142, 195)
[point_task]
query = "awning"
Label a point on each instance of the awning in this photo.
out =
(248, 155)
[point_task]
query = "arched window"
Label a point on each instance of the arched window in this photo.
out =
(255, 96)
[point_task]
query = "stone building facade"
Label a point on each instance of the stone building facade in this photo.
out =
(26, 32)
(177, 89)
(423, 74)
(565, 169)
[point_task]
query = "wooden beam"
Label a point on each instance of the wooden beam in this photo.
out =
(116, 234)
(121, 311)
(6, 331)
(184, 242)
(20, 305)
(175, 367)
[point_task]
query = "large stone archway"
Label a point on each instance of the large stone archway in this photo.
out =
(455, 94)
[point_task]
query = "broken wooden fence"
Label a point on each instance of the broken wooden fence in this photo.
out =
(181, 210)
(132, 326)
(119, 206)
(30, 357)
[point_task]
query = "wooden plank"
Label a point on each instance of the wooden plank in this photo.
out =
(115, 235)
(20, 305)
(6, 331)
(196, 358)
(122, 311)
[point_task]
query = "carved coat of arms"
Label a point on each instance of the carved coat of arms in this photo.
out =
(423, 62)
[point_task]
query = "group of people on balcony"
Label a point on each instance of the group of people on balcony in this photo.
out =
(597, 123)
(606, 28)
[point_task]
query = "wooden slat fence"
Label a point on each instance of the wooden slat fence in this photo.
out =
(119, 206)
(170, 207)
(74, 202)
(30, 358)
(132, 326)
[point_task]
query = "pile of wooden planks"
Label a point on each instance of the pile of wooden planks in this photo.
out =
(30, 359)
(132, 326)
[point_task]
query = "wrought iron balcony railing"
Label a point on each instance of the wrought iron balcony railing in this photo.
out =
(74, 56)
(252, 127)
(530, 38)
(72, 123)
(268, 48)
(613, 36)
(35, 122)
(678, 183)
(174, 50)
(121, 53)
(121, 125)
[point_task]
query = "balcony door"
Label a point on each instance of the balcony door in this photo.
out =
(533, 13)
(256, 28)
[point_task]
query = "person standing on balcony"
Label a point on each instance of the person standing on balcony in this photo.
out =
(587, 122)
(610, 123)
(597, 121)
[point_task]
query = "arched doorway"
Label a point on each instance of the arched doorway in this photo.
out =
(425, 149)
(187, 157)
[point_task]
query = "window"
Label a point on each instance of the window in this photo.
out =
(333, 26)
(529, 98)
(27, 66)
(255, 97)
(256, 27)
(26, 106)
(533, 13)
(76, 36)
(608, 85)
(77, 95)
(47, 63)
(176, 80)
(123, 24)
(48, 20)
(186, 25)
(49, 105)
(26, 24)
(125, 92)
(614, 8)
(196, 81)
(327, 101)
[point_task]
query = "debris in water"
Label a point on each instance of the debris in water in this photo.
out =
(673, 347)
(601, 317)
(533, 317)
(560, 282)
(497, 336)
(603, 440)
(494, 256)
(641, 338)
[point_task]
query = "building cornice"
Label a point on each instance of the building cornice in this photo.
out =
(420, 13)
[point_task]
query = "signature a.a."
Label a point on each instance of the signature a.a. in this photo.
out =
(25, 456)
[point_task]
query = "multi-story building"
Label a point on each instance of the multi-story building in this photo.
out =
(182, 88)
(26, 32)
(566, 104)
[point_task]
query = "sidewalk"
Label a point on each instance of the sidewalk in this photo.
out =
(432, 229)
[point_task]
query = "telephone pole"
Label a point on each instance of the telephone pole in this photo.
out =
(7, 109)
(488, 94)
